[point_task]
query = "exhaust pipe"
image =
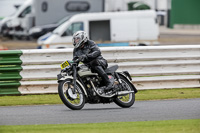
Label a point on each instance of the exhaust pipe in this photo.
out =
(124, 92)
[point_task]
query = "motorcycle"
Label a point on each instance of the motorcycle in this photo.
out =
(77, 85)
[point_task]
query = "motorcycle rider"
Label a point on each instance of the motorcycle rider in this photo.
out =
(89, 53)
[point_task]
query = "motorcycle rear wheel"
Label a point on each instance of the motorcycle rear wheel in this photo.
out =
(127, 100)
(73, 101)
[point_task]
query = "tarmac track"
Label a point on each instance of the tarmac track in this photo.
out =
(97, 113)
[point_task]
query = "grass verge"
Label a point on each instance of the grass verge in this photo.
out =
(167, 126)
(141, 95)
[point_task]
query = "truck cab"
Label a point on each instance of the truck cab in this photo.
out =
(42, 12)
(17, 21)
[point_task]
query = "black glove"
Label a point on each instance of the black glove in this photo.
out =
(76, 59)
(83, 57)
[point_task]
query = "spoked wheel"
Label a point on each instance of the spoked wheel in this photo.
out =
(127, 100)
(74, 101)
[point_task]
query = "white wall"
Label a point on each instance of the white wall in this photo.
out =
(115, 5)
(162, 4)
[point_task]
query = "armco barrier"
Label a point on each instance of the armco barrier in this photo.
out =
(152, 67)
(10, 67)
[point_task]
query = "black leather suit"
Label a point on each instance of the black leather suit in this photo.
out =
(93, 53)
(93, 59)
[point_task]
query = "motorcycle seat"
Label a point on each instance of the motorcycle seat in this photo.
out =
(112, 69)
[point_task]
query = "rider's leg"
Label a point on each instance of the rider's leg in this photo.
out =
(104, 76)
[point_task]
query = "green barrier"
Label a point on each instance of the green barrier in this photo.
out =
(5, 68)
(9, 88)
(10, 76)
(11, 61)
(11, 52)
(10, 67)
(9, 57)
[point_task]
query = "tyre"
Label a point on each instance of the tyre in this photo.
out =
(127, 100)
(74, 101)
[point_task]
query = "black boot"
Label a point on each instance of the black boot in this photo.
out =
(104, 76)
(107, 82)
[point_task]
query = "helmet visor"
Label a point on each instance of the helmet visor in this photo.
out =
(77, 41)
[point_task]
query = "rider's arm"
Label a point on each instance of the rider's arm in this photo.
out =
(75, 56)
(94, 51)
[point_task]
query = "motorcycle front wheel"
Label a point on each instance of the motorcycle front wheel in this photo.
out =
(74, 101)
(127, 100)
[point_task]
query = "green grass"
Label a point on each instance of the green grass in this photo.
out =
(141, 95)
(167, 126)
(162, 94)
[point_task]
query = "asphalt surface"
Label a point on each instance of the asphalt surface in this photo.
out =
(96, 113)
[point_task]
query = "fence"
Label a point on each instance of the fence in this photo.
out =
(152, 67)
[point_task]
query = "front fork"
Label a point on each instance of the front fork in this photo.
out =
(74, 79)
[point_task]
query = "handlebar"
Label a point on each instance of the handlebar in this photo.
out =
(77, 60)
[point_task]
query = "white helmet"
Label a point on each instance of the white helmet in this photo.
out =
(79, 38)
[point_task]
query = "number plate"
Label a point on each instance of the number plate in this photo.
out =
(64, 65)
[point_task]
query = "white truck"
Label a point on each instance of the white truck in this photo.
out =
(107, 29)
(40, 12)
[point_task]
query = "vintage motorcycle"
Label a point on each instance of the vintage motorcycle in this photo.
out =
(78, 85)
